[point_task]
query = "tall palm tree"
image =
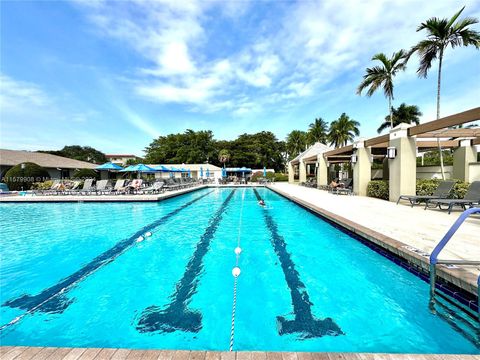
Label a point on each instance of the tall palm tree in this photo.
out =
(442, 33)
(317, 131)
(296, 142)
(409, 114)
(382, 76)
(343, 130)
(224, 156)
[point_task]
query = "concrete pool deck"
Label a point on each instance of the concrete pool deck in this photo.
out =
(51, 353)
(402, 230)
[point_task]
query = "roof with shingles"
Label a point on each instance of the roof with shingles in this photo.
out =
(15, 157)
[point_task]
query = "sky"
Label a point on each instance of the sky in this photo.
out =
(115, 75)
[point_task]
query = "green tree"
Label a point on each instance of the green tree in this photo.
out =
(192, 147)
(343, 130)
(22, 176)
(382, 76)
(409, 114)
(317, 132)
(137, 160)
(83, 153)
(442, 33)
(296, 143)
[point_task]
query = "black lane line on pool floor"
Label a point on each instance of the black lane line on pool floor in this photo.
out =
(304, 322)
(177, 315)
(53, 299)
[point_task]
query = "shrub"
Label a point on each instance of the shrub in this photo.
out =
(460, 189)
(18, 178)
(44, 185)
(270, 176)
(281, 177)
(428, 186)
(86, 174)
(378, 189)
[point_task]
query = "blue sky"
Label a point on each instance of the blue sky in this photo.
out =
(115, 75)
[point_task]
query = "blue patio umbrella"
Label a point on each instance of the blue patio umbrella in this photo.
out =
(208, 173)
(201, 172)
(139, 168)
(224, 172)
(264, 171)
(162, 168)
(189, 173)
(109, 166)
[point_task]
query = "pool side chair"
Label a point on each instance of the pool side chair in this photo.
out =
(471, 198)
(52, 190)
(443, 191)
(101, 187)
(87, 187)
(134, 186)
(119, 187)
(72, 188)
(345, 189)
(156, 188)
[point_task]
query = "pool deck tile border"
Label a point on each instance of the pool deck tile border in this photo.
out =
(453, 279)
(52, 353)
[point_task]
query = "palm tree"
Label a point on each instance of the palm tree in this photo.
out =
(382, 76)
(317, 132)
(224, 156)
(442, 33)
(343, 130)
(409, 114)
(296, 143)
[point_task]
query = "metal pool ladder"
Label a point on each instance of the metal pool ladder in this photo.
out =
(434, 257)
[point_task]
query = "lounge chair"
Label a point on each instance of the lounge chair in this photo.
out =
(87, 187)
(157, 187)
(73, 186)
(134, 186)
(441, 192)
(119, 187)
(344, 187)
(471, 198)
(52, 190)
(101, 187)
(171, 185)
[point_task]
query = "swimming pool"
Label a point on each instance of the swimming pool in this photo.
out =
(85, 274)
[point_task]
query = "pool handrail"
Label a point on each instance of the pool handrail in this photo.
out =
(436, 251)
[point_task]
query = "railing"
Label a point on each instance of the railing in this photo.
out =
(434, 256)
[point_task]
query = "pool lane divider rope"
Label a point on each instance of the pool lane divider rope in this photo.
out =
(53, 300)
(176, 315)
(304, 322)
(236, 273)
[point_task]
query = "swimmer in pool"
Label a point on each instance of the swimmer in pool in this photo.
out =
(261, 203)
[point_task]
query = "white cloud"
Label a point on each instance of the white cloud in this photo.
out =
(296, 54)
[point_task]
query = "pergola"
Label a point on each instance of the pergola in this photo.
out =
(406, 140)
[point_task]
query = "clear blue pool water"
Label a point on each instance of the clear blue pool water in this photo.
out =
(304, 284)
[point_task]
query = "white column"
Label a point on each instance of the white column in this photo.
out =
(462, 157)
(322, 170)
(302, 171)
(362, 169)
(403, 168)
(291, 173)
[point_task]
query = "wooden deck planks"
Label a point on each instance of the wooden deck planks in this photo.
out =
(51, 353)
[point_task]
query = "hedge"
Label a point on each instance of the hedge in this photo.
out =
(270, 176)
(22, 176)
(379, 188)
